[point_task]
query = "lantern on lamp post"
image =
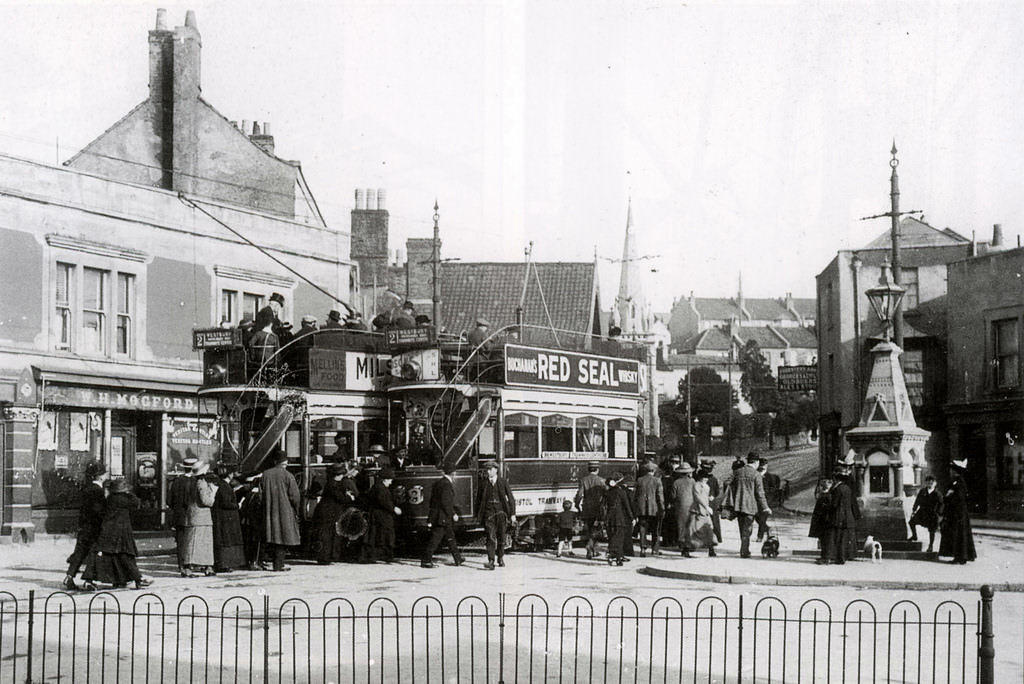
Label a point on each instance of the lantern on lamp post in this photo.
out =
(885, 298)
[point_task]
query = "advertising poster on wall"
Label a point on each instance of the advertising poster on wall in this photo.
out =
(190, 437)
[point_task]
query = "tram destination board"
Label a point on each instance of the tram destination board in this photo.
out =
(216, 338)
(798, 378)
(570, 370)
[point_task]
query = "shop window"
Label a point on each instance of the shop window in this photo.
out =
(620, 438)
(1006, 353)
(556, 433)
(521, 435)
(589, 434)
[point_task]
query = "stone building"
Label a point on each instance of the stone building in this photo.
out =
(113, 268)
(985, 399)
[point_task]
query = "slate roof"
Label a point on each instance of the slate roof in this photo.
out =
(717, 339)
(915, 233)
(493, 289)
(760, 309)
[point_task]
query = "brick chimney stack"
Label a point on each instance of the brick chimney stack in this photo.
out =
(262, 138)
(174, 77)
(997, 237)
(369, 243)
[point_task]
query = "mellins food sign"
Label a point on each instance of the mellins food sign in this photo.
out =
(569, 370)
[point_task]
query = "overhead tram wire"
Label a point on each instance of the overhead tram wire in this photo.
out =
(189, 202)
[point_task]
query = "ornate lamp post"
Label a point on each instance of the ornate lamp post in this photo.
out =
(885, 299)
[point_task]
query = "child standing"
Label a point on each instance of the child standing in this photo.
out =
(566, 524)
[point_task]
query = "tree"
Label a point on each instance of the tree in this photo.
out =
(797, 412)
(757, 384)
(707, 392)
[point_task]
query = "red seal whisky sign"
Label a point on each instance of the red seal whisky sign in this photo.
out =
(570, 370)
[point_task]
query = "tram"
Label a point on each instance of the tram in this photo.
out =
(541, 403)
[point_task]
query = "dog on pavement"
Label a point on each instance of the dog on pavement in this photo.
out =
(770, 547)
(873, 549)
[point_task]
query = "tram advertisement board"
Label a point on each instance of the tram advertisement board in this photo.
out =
(571, 370)
(332, 369)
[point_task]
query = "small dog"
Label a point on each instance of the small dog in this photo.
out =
(770, 547)
(873, 549)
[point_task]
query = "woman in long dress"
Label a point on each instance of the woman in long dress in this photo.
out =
(336, 497)
(379, 544)
(228, 547)
(702, 528)
(957, 538)
(682, 502)
(198, 555)
(113, 555)
(618, 518)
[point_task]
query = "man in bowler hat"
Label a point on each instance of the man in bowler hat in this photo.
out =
(333, 320)
(442, 518)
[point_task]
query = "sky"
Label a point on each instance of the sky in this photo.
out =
(750, 138)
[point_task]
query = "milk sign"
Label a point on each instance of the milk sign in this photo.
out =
(333, 369)
(571, 370)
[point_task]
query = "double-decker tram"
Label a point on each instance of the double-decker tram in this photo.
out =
(542, 403)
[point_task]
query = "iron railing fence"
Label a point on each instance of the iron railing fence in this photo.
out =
(104, 638)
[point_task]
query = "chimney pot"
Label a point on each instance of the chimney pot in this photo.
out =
(380, 199)
(360, 201)
(997, 235)
(161, 19)
(266, 128)
(245, 126)
(255, 127)
(190, 19)
(371, 199)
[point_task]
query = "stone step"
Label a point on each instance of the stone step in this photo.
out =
(886, 553)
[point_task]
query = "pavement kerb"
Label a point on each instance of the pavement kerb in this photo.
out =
(830, 582)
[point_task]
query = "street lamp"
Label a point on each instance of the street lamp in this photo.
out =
(885, 298)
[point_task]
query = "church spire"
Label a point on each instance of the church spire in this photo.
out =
(630, 303)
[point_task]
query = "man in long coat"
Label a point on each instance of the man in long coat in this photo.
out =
(926, 511)
(957, 538)
(496, 507)
(589, 500)
(745, 496)
(280, 510)
(649, 507)
(90, 520)
(682, 502)
(843, 516)
(181, 492)
(442, 518)
(715, 492)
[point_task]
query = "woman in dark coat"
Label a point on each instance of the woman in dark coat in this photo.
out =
(618, 518)
(113, 555)
(228, 544)
(339, 494)
(379, 544)
(820, 514)
(957, 538)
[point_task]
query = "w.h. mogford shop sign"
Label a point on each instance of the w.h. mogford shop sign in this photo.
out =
(570, 370)
(127, 400)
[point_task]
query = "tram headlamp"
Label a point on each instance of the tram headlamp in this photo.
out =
(216, 374)
(411, 370)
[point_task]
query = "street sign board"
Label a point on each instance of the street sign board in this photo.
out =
(798, 378)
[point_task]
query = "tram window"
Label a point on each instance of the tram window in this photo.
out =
(371, 431)
(486, 442)
(589, 434)
(556, 433)
(521, 435)
(620, 438)
(335, 443)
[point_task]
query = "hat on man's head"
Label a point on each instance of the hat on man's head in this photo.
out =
(120, 486)
(650, 466)
(685, 468)
(408, 305)
(849, 460)
(593, 465)
(448, 468)
(422, 319)
(491, 465)
(386, 474)
(189, 462)
(614, 331)
(738, 463)
(277, 297)
(753, 457)
(334, 315)
(339, 468)
(247, 321)
(376, 449)
(960, 465)
(707, 463)
(309, 318)
(675, 459)
(482, 322)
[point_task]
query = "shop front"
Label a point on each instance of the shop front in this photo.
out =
(140, 433)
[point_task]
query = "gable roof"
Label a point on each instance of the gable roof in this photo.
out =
(492, 290)
(916, 233)
(767, 337)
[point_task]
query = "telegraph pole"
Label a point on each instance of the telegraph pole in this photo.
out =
(435, 260)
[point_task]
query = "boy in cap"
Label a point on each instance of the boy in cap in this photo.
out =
(566, 525)
(442, 518)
